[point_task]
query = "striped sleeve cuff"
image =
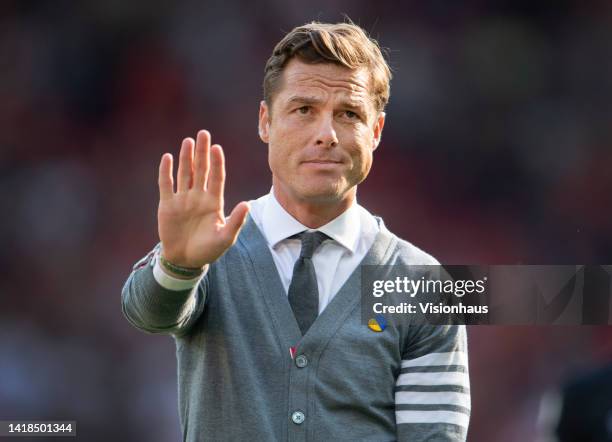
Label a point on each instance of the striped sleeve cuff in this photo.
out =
(434, 389)
(171, 283)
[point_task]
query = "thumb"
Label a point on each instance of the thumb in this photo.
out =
(235, 221)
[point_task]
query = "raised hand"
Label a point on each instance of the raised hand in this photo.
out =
(191, 222)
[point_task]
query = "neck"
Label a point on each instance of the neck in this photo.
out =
(314, 214)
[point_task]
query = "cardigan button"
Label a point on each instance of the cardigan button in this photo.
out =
(301, 361)
(298, 417)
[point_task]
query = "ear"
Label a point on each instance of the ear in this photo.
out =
(378, 127)
(264, 122)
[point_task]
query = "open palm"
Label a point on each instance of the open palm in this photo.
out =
(192, 225)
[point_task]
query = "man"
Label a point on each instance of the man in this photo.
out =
(265, 307)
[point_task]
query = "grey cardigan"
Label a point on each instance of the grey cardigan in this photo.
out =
(237, 380)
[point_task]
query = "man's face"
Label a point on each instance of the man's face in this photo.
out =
(322, 130)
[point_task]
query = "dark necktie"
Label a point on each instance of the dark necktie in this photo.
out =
(303, 290)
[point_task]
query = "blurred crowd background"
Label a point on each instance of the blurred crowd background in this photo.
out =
(497, 150)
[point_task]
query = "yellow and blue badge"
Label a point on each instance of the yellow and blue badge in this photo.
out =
(378, 324)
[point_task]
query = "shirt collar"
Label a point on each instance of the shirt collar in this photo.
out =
(279, 225)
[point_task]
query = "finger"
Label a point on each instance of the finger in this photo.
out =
(235, 221)
(202, 152)
(183, 176)
(216, 178)
(165, 180)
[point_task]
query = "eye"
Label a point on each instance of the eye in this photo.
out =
(304, 110)
(351, 115)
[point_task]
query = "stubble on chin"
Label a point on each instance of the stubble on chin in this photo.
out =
(327, 193)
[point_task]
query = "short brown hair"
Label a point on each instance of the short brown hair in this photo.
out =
(345, 44)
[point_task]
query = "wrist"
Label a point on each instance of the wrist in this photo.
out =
(178, 271)
(174, 282)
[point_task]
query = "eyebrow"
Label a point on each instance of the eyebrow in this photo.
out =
(310, 101)
(353, 105)
(299, 99)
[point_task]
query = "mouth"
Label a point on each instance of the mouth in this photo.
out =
(322, 165)
(321, 162)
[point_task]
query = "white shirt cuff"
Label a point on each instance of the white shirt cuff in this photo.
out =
(171, 283)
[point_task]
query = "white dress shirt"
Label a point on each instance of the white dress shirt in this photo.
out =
(352, 234)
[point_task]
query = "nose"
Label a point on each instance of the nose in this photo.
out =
(326, 136)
